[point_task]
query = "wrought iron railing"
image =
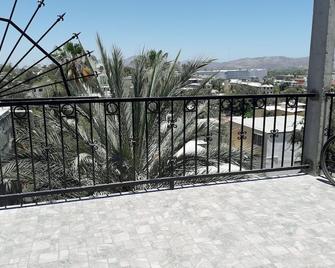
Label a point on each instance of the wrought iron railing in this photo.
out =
(327, 159)
(329, 129)
(74, 147)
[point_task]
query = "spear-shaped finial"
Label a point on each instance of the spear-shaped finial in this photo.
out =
(76, 35)
(61, 17)
(41, 3)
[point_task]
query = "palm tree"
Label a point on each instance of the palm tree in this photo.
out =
(152, 133)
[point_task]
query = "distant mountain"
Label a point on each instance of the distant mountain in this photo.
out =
(270, 63)
(129, 61)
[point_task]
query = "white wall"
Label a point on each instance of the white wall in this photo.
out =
(278, 149)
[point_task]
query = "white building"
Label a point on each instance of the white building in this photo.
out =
(102, 77)
(5, 131)
(241, 74)
(281, 110)
(279, 146)
(261, 88)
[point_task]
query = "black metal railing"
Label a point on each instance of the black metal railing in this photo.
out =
(73, 147)
(329, 129)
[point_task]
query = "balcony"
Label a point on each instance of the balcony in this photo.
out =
(171, 181)
(240, 193)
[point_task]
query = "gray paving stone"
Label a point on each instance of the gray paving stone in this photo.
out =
(288, 222)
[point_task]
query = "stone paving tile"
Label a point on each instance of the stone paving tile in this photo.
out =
(287, 222)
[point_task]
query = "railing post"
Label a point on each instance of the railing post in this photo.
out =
(319, 79)
(171, 184)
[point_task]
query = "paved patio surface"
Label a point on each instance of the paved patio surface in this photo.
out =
(287, 222)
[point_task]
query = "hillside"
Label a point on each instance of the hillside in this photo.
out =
(270, 63)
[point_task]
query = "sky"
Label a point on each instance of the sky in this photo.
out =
(221, 29)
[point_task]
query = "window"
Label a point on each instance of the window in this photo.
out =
(258, 140)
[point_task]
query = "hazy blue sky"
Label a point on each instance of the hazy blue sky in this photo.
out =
(223, 29)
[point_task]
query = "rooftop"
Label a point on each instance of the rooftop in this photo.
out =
(269, 123)
(283, 222)
(4, 110)
(281, 108)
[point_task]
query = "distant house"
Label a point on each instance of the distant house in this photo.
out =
(39, 90)
(279, 131)
(242, 74)
(102, 77)
(5, 130)
(260, 88)
(281, 109)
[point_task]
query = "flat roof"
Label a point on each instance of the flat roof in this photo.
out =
(269, 123)
(280, 108)
(4, 110)
(233, 70)
(299, 103)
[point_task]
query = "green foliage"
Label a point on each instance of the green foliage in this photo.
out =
(293, 90)
(292, 71)
(217, 84)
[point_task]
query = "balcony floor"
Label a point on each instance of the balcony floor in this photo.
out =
(286, 222)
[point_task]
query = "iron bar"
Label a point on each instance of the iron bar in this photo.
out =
(294, 129)
(231, 102)
(74, 99)
(40, 4)
(219, 136)
(106, 142)
(196, 138)
(208, 138)
(304, 134)
(47, 148)
(159, 139)
(253, 134)
(77, 141)
(92, 141)
(284, 133)
(274, 132)
(184, 138)
(120, 132)
(60, 18)
(330, 117)
(47, 85)
(172, 125)
(31, 147)
(15, 146)
(37, 62)
(1, 171)
(263, 136)
(62, 142)
(7, 26)
(146, 139)
(242, 134)
(133, 139)
(43, 73)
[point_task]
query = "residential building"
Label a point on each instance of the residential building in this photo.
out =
(279, 132)
(261, 88)
(282, 110)
(102, 77)
(5, 131)
(241, 74)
